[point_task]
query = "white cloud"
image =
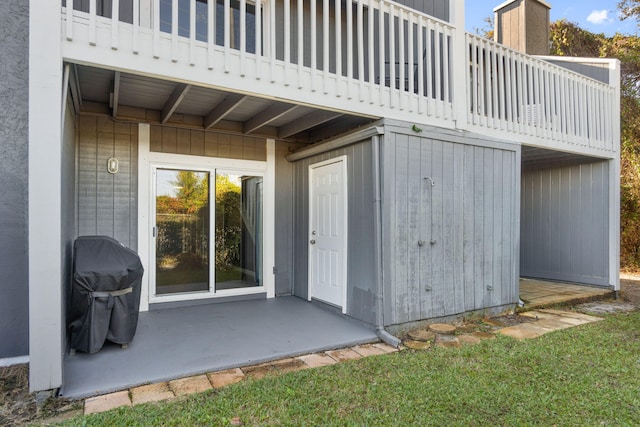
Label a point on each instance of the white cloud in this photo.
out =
(599, 17)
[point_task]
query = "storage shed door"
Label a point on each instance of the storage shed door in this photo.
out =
(328, 232)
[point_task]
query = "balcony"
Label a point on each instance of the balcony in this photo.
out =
(365, 58)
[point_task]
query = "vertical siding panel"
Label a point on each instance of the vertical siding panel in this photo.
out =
(437, 249)
(587, 217)
(488, 232)
(402, 237)
(87, 176)
(469, 214)
(565, 218)
(169, 140)
(122, 187)
(426, 261)
(508, 228)
(449, 227)
(211, 144)
(414, 252)
(389, 252)
(479, 226)
(497, 240)
(457, 218)
(197, 143)
(105, 185)
(155, 136)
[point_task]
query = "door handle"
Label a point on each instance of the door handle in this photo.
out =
(312, 241)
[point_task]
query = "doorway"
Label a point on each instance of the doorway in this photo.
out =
(206, 232)
(328, 232)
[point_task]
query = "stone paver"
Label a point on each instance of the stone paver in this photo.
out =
(343, 355)
(573, 315)
(151, 393)
(189, 385)
(317, 360)
(106, 402)
(417, 345)
(442, 328)
(421, 335)
(447, 341)
(259, 371)
(289, 365)
(520, 333)
(385, 347)
(224, 378)
(367, 350)
(468, 339)
(483, 335)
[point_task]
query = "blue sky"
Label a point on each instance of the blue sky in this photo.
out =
(598, 16)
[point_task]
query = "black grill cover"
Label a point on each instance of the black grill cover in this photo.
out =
(105, 293)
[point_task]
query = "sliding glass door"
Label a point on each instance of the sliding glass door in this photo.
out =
(187, 202)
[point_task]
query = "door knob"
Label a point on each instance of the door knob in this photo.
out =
(312, 241)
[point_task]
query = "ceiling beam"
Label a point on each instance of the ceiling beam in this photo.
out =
(306, 122)
(230, 103)
(115, 94)
(267, 116)
(174, 101)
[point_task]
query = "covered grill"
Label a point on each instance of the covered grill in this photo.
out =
(105, 293)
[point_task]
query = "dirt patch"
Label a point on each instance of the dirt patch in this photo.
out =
(18, 406)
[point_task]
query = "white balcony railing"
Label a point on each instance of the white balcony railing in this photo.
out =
(516, 93)
(373, 57)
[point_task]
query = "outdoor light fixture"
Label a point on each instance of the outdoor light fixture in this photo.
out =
(112, 165)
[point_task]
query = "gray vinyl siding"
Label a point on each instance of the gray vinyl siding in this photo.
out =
(436, 8)
(564, 224)
(284, 229)
(466, 222)
(361, 284)
(14, 143)
(597, 71)
(194, 142)
(107, 203)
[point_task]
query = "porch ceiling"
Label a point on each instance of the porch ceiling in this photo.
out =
(131, 97)
(541, 158)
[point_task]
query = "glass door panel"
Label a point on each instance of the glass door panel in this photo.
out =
(238, 231)
(182, 231)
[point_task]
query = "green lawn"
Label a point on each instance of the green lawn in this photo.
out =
(589, 375)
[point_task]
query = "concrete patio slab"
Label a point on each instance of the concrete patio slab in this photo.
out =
(210, 338)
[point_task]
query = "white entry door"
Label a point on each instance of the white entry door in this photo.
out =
(328, 232)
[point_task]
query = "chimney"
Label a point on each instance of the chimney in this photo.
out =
(523, 25)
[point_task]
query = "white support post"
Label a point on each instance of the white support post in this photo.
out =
(144, 209)
(269, 215)
(459, 66)
(614, 181)
(46, 287)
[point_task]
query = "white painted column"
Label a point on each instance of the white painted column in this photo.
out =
(459, 66)
(269, 218)
(46, 326)
(614, 182)
(144, 210)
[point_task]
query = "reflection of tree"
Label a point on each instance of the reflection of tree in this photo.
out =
(228, 222)
(183, 223)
